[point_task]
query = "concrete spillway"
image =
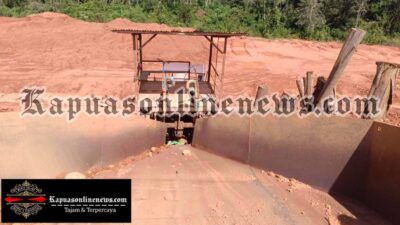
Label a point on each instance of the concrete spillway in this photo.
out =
(340, 158)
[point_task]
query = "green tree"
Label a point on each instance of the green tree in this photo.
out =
(184, 12)
(394, 16)
(338, 13)
(361, 9)
(310, 16)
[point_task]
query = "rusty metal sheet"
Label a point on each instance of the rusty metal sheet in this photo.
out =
(313, 150)
(329, 153)
(383, 184)
(343, 156)
(47, 146)
(224, 136)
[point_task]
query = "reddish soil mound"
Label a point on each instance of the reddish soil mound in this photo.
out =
(69, 56)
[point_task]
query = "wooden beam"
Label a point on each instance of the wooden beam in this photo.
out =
(319, 86)
(223, 67)
(300, 87)
(262, 91)
(134, 40)
(210, 61)
(215, 70)
(308, 84)
(353, 40)
(305, 84)
(212, 42)
(376, 80)
(189, 70)
(140, 52)
(382, 87)
(148, 40)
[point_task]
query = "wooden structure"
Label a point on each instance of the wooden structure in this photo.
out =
(353, 40)
(209, 81)
(383, 87)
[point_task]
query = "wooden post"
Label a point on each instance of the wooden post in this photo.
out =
(300, 86)
(353, 40)
(135, 56)
(223, 68)
(305, 84)
(319, 86)
(262, 91)
(383, 87)
(140, 51)
(210, 61)
(309, 81)
(376, 80)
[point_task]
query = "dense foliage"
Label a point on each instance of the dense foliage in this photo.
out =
(308, 19)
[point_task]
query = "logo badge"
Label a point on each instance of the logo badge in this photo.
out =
(66, 200)
(25, 199)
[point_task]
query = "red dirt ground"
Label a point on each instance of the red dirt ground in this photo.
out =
(69, 56)
(202, 188)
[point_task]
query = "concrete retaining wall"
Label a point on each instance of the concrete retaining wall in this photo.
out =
(45, 147)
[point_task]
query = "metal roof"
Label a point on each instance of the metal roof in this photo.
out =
(179, 32)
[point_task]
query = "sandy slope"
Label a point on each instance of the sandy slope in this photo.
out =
(202, 188)
(69, 56)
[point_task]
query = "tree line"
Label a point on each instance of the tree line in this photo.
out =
(307, 19)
